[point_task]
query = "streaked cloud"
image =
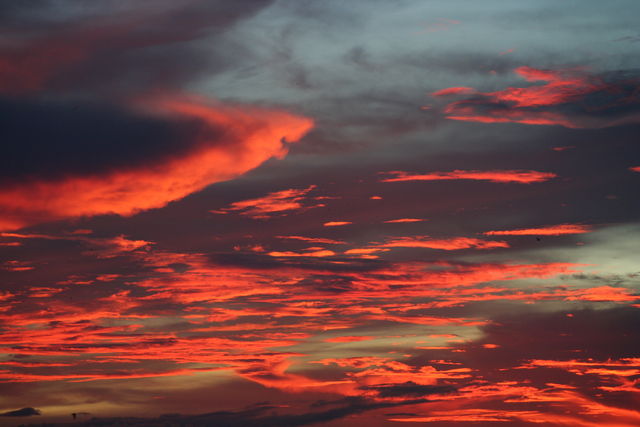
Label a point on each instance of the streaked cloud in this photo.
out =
(522, 177)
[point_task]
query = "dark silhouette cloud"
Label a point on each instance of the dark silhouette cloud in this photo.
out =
(263, 415)
(410, 389)
(55, 139)
(24, 412)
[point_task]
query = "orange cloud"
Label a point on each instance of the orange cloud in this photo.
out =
(554, 230)
(336, 223)
(518, 176)
(252, 136)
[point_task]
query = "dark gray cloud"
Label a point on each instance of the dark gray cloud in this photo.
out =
(262, 415)
(410, 389)
(24, 412)
(54, 139)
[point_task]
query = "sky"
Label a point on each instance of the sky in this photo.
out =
(304, 212)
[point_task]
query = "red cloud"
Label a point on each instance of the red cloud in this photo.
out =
(314, 240)
(354, 338)
(254, 135)
(554, 230)
(635, 168)
(273, 203)
(403, 220)
(444, 244)
(462, 90)
(316, 253)
(539, 104)
(518, 176)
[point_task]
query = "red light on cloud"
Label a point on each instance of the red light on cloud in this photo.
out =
(278, 203)
(404, 220)
(533, 104)
(364, 251)
(554, 230)
(320, 253)
(452, 244)
(349, 339)
(462, 90)
(314, 240)
(336, 223)
(635, 168)
(516, 176)
(257, 135)
(562, 86)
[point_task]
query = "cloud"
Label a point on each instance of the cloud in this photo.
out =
(108, 49)
(24, 412)
(517, 176)
(571, 98)
(444, 244)
(314, 240)
(276, 203)
(553, 230)
(462, 90)
(409, 389)
(440, 24)
(217, 143)
(261, 415)
(336, 223)
(311, 252)
(403, 220)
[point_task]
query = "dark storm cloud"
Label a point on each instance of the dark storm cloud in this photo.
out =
(24, 412)
(48, 140)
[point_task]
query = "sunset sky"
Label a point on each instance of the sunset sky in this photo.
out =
(252, 213)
